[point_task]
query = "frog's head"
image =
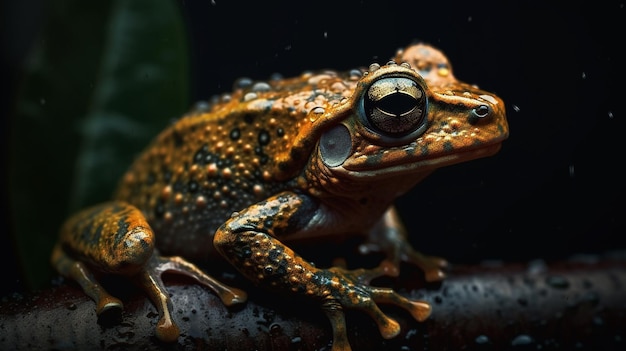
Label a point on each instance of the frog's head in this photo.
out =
(396, 124)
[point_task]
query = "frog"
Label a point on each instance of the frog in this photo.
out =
(248, 176)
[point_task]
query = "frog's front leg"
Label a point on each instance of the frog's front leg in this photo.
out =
(115, 238)
(249, 240)
(389, 237)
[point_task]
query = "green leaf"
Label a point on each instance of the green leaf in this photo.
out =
(101, 82)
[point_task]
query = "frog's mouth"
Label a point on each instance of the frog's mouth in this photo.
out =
(408, 160)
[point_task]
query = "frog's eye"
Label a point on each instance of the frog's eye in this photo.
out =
(394, 106)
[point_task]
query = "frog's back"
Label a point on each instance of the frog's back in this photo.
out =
(223, 157)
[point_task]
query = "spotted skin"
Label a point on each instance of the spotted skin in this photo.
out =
(318, 156)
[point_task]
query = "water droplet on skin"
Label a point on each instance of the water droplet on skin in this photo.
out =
(355, 74)
(249, 96)
(276, 76)
(202, 106)
(243, 82)
(261, 86)
(318, 110)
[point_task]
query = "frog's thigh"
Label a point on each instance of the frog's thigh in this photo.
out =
(113, 237)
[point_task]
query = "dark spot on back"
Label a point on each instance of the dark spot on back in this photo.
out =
(159, 209)
(264, 137)
(248, 118)
(235, 134)
(151, 178)
(193, 186)
(177, 138)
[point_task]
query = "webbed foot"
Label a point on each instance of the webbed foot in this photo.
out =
(390, 239)
(346, 289)
(150, 280)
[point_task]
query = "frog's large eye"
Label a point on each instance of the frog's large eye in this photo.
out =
(394, 106)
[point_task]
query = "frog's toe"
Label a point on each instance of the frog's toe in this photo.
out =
(229, 295)
(388, 327)
(233, 296)
(167, 331)
(109, 305)
(335, 315)
(109, 310)
(433, 268)
(420, 310)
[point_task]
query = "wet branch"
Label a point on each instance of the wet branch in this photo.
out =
(575, 304)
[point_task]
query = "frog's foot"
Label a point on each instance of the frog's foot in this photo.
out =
(432, 266)
(346, 291)
(151, 282)
(76, 270)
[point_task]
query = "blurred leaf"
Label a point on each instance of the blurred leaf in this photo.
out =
(103, 79)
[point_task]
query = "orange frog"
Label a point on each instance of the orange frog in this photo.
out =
(319, 156)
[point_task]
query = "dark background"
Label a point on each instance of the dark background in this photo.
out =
(555, 189)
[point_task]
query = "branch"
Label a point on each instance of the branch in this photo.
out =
(574, 304)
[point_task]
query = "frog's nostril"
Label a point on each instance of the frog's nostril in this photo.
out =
(479, 113)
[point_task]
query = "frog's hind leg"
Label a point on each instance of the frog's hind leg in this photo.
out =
(390, 238)
(229, 295)
(115, 238)
(79, 272)
(149, 279)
